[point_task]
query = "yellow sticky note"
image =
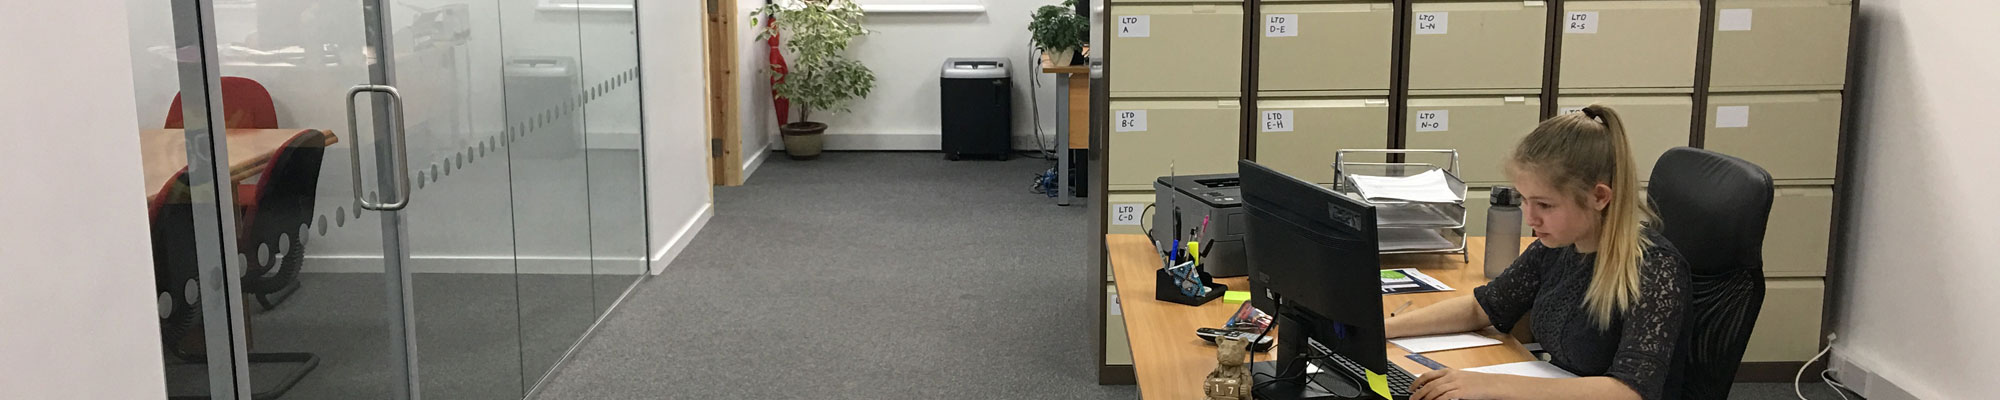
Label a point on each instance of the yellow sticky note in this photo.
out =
(1380, 383)
(1235, 297)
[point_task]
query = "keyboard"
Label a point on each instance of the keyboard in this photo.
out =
(1399, 380)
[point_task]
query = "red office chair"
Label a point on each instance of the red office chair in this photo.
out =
(245, 105)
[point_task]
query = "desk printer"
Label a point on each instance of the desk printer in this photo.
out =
(1218, 197)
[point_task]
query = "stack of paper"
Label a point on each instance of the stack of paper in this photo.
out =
(1535, 369)
(1427, 187)
(1454, 341)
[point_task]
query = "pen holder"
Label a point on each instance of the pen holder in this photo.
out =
(1166, 288)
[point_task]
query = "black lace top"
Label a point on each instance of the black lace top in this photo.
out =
(1549, 285)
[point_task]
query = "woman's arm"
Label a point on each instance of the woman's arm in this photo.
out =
(1455, 384)
(1458, 314)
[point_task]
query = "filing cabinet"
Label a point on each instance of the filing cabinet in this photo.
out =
(1137, 199)
(1177, 50)
(1117, 347)
(1792, 135)
(1795, 240)
(1184, 137)
(1629, 43)
(1326, 45)
(1484, 130)
(1766, 44)
(1788, 325)
(1299, 136)
(1653, 123)
(1480, 45)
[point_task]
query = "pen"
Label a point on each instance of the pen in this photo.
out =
(1399, 309)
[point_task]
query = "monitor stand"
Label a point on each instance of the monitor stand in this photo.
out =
(1325, 385)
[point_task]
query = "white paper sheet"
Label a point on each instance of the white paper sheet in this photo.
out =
(1427, 187)
(1537, 369)
(1426, 344)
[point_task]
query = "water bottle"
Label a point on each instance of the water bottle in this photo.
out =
(1503, 230)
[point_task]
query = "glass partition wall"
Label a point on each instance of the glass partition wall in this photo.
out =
(386, 199)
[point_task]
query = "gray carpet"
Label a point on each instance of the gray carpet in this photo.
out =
(872, 276)
(861, 275)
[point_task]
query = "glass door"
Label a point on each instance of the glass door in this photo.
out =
(395, 200)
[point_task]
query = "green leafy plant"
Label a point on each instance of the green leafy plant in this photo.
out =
(1059, 28)
(816, 34)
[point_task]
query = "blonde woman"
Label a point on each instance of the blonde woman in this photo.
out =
(1606, 292)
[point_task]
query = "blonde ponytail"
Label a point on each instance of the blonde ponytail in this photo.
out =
(1576, 152)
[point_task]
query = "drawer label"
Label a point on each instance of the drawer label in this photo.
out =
(1126, 214)
(1433, 121)
(1278, 121)
(1566, 110)
(1132, 121)
(1733, 19)
(1433, 23)
(1732, 117)
(1135, 26)
(1584, 22)
(1281, 25)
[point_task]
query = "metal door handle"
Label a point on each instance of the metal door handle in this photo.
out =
(396, 141)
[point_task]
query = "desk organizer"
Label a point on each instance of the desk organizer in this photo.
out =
(1166, 289)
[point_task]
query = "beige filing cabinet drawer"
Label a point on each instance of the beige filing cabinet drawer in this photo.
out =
(1653, 123)
(1483, 130)
(1788, 326)
(1630, 44)
(1795, 241)
(1341, 45)
(1177, 50)
(1299, 137)
(1477, 45)
(1117, 348)
(1185, 137)
(1137, 200)
(1792, 135)
(1767, 43)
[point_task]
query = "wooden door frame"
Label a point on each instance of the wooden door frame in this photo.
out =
(725, 128)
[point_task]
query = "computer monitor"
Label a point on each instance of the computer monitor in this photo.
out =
(1313, 260)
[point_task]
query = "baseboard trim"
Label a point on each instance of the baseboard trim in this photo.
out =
(883, 141)
(757, 157)
(1863, 379)
(1116, 375)
(673, 247)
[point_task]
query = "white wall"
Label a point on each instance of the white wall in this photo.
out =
(78, 297)
(905, 52)
(1917, 308)
(759, 127)
(677, 176)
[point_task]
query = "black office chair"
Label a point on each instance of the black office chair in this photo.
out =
(177, 279)
(275, 222)
(1713, 208)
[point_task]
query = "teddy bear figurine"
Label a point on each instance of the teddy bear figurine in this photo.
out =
(1231, 378)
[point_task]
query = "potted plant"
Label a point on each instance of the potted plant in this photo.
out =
(1058, 31)
(818, 74)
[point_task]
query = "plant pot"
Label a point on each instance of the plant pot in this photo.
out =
(1061, 58)
(803, 140)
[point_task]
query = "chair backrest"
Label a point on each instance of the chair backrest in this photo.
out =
(1714, 208)
(285, 193)
(175, 264)
(245, 105)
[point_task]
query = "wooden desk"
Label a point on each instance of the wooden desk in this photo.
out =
(164, 152)
(1170, 361)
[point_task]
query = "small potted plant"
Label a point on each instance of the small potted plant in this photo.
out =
(818, 74)
(1058, 31)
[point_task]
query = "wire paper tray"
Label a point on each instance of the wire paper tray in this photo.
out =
(1416, 240)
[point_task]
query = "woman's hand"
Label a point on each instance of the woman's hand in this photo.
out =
(1453, 384)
